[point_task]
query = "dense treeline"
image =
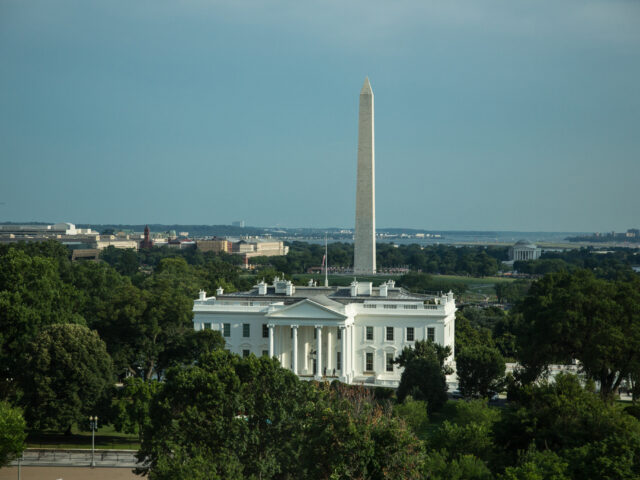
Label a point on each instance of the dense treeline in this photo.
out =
(68, 331)
(611, 264)
(440, 259)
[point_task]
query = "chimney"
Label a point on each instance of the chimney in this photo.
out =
(202, 295)
(219, 291)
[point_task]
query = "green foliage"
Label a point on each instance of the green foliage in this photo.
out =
(567, 316)
(537, 465)
(424, 379)
(424, 375)
(12, 433)
(32, 296)
(595, 438)
(480, 371)
(421, 282)
(250, 418)
(469, 432)
(131, 405)
(414, 413)
(467, 467)
(69, 376)
(512, 292)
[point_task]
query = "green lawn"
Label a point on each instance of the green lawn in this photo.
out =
(106, 438)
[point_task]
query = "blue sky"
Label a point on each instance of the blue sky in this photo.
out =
(489, 114)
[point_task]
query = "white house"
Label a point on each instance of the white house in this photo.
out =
(349, 333)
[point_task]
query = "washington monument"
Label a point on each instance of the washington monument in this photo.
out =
(365, 239)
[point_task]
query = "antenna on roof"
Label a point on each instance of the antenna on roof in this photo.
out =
(326, 261)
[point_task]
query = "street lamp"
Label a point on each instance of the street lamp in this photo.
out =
(93, 423)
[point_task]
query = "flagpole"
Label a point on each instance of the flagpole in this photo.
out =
(326, 261)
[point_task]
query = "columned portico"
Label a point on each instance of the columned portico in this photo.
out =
(319, 352)
(343, 355)
(294, 348)
(271, 340)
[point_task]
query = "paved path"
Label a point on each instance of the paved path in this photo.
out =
(68, 473)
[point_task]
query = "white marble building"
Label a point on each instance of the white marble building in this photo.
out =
(349, 333)
(524, 250)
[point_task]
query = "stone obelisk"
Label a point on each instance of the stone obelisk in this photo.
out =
(364, 261)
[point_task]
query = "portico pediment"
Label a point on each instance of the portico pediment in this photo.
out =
(306, 309)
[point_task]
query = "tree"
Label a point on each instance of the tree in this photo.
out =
(424, 379)
(69, 373)
(596, 439)
(537, 465)
(577, 316)
(12, 433)
(131, 405)
(32, 296)
(424, 375)
(480, 371)
(235, 412)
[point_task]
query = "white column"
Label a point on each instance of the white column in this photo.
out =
(319, 351)
(329, 352)
(294, 348)
(271, 340)
(343, 336)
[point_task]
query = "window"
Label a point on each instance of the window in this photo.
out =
(208, 326)
(390, 333)
(265, 353)
(226, 329)
(246, 330)
(315, 333)
(390, 306)
(339, 333)
(265, 331)
(368, 365)
(410, 334)
(369, 333)
(389, 362)
(431, 334)
(245, 353)
(339, 360)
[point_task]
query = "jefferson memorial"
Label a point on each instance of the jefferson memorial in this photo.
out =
(349, 333)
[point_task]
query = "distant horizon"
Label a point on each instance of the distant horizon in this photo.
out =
(142, 224)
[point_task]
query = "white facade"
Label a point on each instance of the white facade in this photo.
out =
(349, 333)
(524, 250)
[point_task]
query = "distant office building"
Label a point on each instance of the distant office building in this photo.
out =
(524, 250)
(181, 243)
(216, 245)
(238, 223)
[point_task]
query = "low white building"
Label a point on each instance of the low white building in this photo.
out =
(524, 250)
(350, 333)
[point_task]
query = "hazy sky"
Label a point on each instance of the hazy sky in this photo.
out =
(506, 115)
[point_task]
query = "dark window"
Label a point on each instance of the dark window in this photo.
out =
(369, 362)
(246, 330)
(410, 334)
(226, 329)
(389, 362)
(315, 333)
(265, 353)
(369, 333)
(339, 333)
(389, 333)
(431, 334)
(245, 353)
(338, 360)
(265, 331)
